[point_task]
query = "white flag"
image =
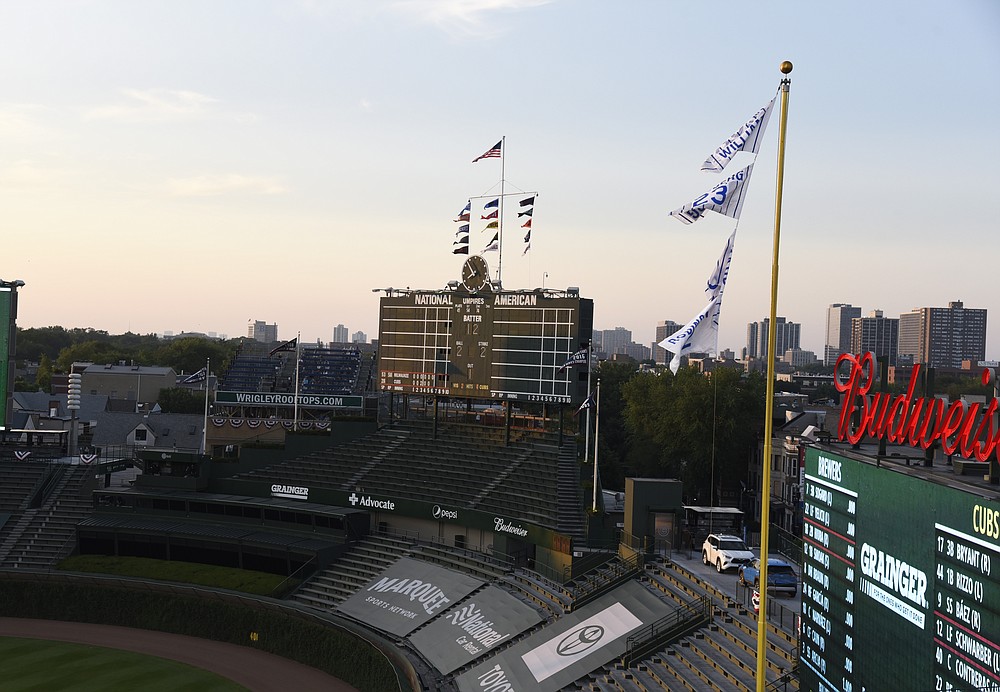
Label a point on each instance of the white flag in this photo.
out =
(701, 334)
(747, 138)
(725, 198)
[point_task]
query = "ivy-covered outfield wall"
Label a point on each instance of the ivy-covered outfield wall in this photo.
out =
(232, 618)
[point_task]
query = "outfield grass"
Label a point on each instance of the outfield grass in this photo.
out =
(46, 666)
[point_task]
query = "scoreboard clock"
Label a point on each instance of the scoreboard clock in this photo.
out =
(474, 342)
(900, 579)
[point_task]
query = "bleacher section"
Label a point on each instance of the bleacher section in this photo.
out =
(322, 371)
(476, 473)
(718, 656)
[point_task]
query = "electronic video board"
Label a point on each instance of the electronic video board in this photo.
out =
(507, 345)
(899, 588)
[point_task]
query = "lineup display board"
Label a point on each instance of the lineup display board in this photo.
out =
(900, 580)
(502, 346)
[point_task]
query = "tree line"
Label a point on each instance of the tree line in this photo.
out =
(55, 349)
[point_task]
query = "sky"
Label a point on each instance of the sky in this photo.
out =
(190, 166)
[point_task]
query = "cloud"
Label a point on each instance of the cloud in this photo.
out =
(162, 105)
(464, 18)
(23, 122)
(218, 185)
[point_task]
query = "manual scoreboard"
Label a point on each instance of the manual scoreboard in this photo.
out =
(507, 345)
(900, 580)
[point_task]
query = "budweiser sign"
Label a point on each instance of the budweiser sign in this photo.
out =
(960, 428)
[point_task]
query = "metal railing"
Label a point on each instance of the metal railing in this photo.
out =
(684, 619)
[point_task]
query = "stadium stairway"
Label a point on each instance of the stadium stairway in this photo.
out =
(571, 518)
(362, 563)
(41, 538)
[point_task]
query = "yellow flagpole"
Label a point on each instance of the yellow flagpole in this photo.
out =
(765, 491)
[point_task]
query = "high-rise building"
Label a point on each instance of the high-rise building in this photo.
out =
(838, 330)
(663, 330)
(340, 334)
(787, 336)
(877, 334)
(261, 331)
(943, 337)
(615, 340)
(359, 338)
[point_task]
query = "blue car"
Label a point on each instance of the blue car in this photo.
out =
(780, 575)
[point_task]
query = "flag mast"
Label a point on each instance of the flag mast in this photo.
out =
(597, 430)
(204, 427)
(765, 493)
(503, 158)
(295, 408)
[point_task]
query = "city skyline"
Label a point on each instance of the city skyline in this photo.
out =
(169, 170)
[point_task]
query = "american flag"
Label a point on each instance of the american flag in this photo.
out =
(492, 153)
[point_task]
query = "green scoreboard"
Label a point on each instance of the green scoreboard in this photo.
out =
(504, 346)
(900, 579)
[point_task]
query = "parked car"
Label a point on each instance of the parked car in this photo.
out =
(780, 575)
(725, 551)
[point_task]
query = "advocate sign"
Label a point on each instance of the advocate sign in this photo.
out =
(907, 420)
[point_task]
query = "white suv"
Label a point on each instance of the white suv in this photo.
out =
(725, 551)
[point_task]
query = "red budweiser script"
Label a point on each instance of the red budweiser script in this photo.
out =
(904, 420)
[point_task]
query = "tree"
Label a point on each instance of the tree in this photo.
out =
(698, 428)
(43, 377)
(180, 400)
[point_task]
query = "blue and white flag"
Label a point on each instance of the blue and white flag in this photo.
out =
(578, 358)
(701, 333)
(725, 198)
(196, 377)
(494, 244)
(747, 138)
(589, 402)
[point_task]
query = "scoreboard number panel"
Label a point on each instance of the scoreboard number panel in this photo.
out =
(900, 580)
(505, 346)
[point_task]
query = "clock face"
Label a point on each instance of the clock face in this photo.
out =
(475, 273)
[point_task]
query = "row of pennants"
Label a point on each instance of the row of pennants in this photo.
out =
(269, 424)
(23, 454)
(491, 214)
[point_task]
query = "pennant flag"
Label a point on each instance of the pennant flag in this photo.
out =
(526, 224)
(196, 377)
(464, 240)
(747, 138)
(725, 198)
(527, 237)
(525, 213)
(492, 205)
(462, 229)
(701, 333)
(466, 209)
(494, 244)
(462, 217)
(526, 201)
(589, 402)
(491, 224)
(575, 359)
(491, 215)
(464, 250)
(290, 345)
(491, 153)
(526, 248)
